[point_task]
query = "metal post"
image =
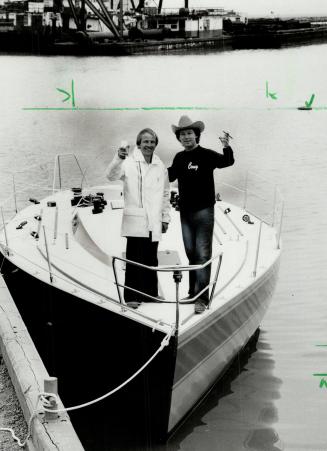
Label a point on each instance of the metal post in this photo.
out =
(116, 280)
(257, 252)
(15, 195)
(215, 280)
(245, 191)
(66, 241)
(274, 206)
(280, 226)
(177, 278)
(59, 172)
(55, 230)
(4, 227)
(54, 174)
(48, 255)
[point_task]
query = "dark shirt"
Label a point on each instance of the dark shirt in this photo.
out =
(194, 171)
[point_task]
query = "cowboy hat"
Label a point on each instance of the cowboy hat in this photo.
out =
(185, 123)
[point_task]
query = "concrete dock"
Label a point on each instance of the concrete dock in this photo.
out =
(28, 375)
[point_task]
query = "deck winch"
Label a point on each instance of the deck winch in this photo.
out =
(33, 200)
(77, 196)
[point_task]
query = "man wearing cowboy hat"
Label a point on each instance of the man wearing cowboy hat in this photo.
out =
(193, 168)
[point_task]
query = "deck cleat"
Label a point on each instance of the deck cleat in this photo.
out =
(21, 225)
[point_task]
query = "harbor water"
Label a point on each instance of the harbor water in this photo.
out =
(273, 400)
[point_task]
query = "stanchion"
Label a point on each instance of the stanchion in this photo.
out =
(177, 278)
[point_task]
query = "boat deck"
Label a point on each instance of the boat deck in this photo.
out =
(79, 247)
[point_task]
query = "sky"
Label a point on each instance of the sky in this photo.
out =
(260, 7)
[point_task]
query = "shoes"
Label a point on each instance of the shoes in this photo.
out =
(133, 304)
(199, 307)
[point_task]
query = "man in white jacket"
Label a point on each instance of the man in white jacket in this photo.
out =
(146, 212)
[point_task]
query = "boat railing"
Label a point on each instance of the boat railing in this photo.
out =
(256, 196)
(39, 180)
(251, 192)
(58, 170)
(176, 271)
(75, 287)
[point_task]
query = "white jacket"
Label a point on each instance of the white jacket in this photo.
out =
(146, 194)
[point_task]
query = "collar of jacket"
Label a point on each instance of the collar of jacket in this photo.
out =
(138, 156)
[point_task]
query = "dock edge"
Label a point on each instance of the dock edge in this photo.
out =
(27, 373)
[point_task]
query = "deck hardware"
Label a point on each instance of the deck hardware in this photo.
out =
(35, 235)
(55, 229)
(51, 203)
(77, 196)
(21, 225)
(177, 276)
(227, 210)
(75, 200)
(39, 223)
(217, 238)
(51, 387)
(218, 197)
(220, 227)
(33, 200)
(231, 221)
(38, 217)
(66, 241)
(97, 206)
(101, 197)
(246, 218)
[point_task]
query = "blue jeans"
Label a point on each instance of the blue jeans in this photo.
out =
(197, 230)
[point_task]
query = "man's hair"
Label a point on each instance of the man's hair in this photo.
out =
(142, 132)
(196, 131)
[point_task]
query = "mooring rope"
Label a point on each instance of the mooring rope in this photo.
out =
(44, 397)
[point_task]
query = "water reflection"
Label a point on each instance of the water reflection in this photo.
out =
(239, 405)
